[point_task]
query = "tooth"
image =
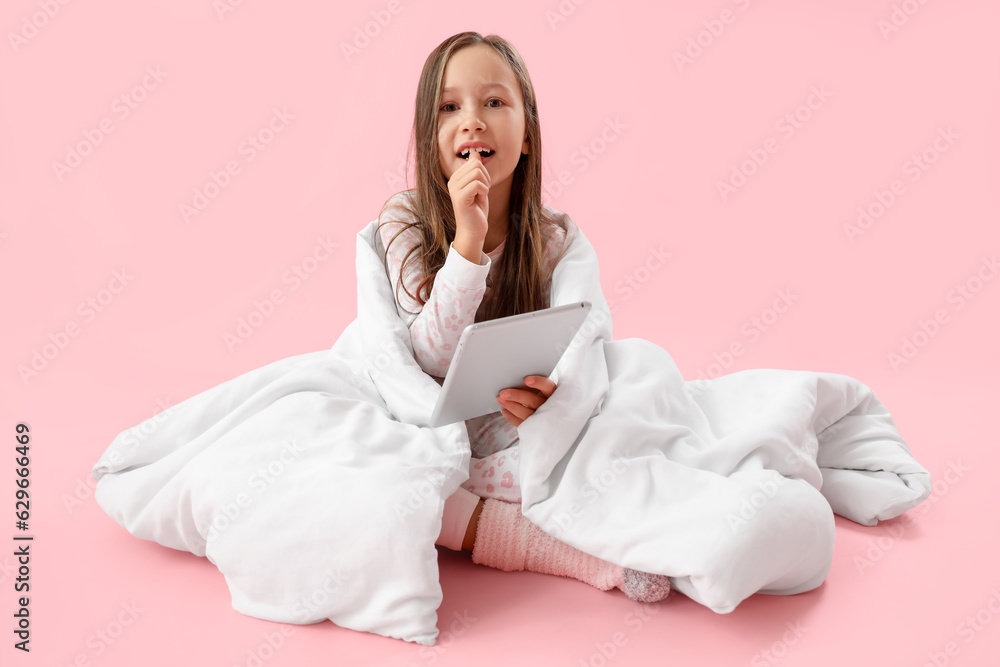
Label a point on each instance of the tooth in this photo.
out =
(478, 149)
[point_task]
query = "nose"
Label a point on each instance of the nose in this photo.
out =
(471, 119)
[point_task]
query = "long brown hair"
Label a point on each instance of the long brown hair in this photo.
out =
(523, 280)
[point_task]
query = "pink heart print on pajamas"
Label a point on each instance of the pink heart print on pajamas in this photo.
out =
(502, 465)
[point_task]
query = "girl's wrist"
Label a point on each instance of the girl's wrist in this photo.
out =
(468, 247)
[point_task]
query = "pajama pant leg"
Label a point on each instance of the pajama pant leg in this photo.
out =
(458, 509)
(496, 476)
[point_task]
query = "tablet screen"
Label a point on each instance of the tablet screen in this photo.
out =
(499, 353)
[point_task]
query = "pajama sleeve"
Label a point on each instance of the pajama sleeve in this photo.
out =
(455, 297)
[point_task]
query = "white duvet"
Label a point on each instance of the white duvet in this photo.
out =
(315, 486)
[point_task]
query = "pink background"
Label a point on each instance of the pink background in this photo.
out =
(651, 184)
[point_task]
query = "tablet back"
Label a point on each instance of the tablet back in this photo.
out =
(497, 354)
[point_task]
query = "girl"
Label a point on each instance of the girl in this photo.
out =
(473, 242)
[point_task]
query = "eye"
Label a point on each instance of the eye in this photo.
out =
(444, 107)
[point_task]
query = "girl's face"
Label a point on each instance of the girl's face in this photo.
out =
(481, 101)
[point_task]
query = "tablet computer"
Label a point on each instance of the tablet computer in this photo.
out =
(499, 353)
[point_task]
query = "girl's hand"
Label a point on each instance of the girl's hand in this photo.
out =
(525, 399)
(469, 188)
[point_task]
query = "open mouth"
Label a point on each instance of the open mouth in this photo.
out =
(483, 154)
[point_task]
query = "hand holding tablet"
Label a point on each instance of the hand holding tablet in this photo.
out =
(502, 354)
(519, 403)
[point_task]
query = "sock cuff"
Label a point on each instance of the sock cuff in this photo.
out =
(501, 537)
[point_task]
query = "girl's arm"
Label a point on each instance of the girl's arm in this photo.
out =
(455, 297)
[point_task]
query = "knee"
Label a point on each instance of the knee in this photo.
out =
(804, 519)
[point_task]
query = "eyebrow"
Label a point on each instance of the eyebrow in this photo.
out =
(485, 86)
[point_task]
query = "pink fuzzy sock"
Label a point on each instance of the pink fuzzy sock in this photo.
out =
(508, 541)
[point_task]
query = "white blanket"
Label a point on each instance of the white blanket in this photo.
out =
(316, 487)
